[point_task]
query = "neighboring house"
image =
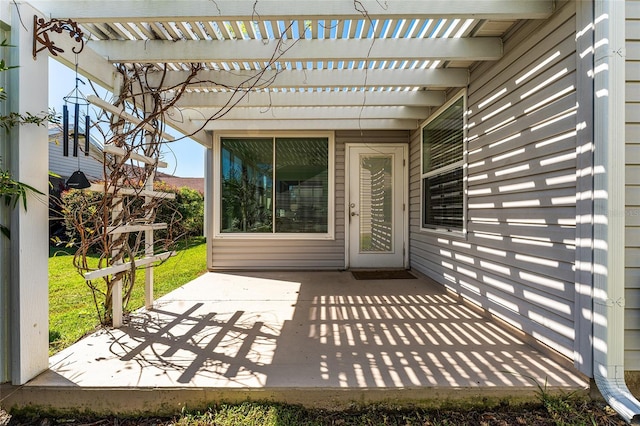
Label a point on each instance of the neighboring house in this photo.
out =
(179, 182)
(91, 165)
(62, 167)
(494, 148)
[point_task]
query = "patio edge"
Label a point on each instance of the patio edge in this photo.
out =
(171, 401)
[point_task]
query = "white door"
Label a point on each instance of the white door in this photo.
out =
(375, 206)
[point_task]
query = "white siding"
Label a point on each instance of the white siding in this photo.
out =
(517, 258)
(65, 166)
(301, 254)
(632, 235)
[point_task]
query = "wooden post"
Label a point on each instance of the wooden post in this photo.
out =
(148, 249)
(148, 234)
(24, 296)
(116, 285)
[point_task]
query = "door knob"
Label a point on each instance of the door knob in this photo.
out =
(354, 214)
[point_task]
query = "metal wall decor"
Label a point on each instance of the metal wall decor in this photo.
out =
(41, 36)
(75, 99)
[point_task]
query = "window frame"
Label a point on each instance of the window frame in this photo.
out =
(217, 188)
(460, 164)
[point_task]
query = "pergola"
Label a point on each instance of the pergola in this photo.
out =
(275, 64)
(265, 65)
(363, 65)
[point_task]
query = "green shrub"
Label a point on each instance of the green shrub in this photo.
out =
(184, 214)
(80, 208)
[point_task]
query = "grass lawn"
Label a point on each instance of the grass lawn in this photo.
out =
(72, 312)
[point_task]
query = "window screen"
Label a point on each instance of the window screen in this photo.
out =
(442, 169)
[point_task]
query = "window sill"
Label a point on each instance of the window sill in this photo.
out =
(444, 232)
(274, 237)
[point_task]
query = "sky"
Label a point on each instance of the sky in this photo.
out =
(185, 157)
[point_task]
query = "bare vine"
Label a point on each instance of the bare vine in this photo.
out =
(97, 217)
(122, 202)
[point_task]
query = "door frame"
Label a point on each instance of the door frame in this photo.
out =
(405, 196)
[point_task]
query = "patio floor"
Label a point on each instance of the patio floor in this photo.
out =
(317, 338)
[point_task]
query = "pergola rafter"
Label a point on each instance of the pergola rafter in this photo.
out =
(303, 50)
(305, 125)
(312, 98)
(360, 78)
(282, 61)
(315, 113)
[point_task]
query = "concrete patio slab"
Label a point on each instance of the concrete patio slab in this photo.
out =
(318, 338)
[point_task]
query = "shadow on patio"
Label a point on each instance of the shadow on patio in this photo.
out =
(308, 337)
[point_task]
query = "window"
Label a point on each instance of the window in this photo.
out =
(275, 185)
(443, 169)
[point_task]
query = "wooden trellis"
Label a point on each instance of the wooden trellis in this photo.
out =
(148, 228)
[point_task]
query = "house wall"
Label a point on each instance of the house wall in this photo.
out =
(632, 195)
(517, 257)
(229, 253)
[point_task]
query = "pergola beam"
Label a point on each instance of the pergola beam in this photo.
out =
(303, 50)
(309, 125)
(90, 64)
(304, 99)
(313, 113)
(439, 77)
(159, 10)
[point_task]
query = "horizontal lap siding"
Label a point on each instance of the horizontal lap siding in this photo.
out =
(632, 157)
(517, 259)
(245, 254)
(65, 166)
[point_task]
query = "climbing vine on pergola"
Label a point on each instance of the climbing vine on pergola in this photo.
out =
(133, 127)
